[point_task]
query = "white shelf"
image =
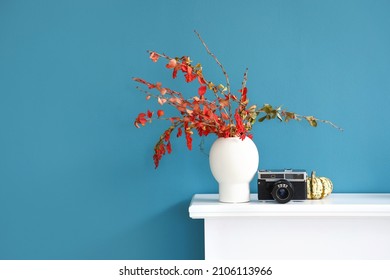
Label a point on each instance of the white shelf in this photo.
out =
(337, 204)
(341, 226)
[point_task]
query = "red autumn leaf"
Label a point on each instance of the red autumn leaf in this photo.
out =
(190, 77)
(201, 80)
(160, 113)
(159, 151)
(150, 114)
(141, 117)
(140, 120)
(188, 136)
(142, 81)
(243, 91)
(189, 141)
(175, 100)
(196, 108)
(202, 90)
(169, 148)
(154, 56)
(224, 116)
(239, 125)
(179, 132)
(150, 86)
(167, 135)
(172, 64)
(181, 108)
(243, 94)
(184, 67)
(174, 73)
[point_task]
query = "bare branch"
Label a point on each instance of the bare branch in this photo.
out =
(159, 54)
(245, 79)
(330, 123)
(224, 73)
(216, 59)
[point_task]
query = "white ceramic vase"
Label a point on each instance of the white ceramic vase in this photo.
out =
(233, 163)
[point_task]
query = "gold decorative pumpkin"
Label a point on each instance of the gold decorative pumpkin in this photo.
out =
(318, 187)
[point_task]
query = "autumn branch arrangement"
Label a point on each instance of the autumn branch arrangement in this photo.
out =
(224, 113)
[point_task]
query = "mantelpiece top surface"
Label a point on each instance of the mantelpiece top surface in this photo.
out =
(337, 204)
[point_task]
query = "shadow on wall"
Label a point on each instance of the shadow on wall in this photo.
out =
(158, 237)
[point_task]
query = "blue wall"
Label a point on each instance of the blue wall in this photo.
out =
(77, 179)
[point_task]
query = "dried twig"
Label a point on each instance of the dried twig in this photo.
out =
(245, 79)
(223, 70)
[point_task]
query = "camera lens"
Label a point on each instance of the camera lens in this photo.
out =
(282, 191)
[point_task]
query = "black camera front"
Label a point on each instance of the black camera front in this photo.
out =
(282, 185)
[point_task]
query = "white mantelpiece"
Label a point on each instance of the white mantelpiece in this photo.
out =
(341, 226)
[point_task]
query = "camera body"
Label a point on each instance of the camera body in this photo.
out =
(282, 185)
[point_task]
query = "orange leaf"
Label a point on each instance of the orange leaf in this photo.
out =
(223, 102)
(225, 116)
(160, 113)
(163, 91)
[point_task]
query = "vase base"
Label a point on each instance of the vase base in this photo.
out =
(234, 193)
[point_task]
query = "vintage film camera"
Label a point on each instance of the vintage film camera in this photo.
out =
(282, 185)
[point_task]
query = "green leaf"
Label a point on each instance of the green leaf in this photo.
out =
(263, 118)
(267, 108)
(312, 121)
(253, 115)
